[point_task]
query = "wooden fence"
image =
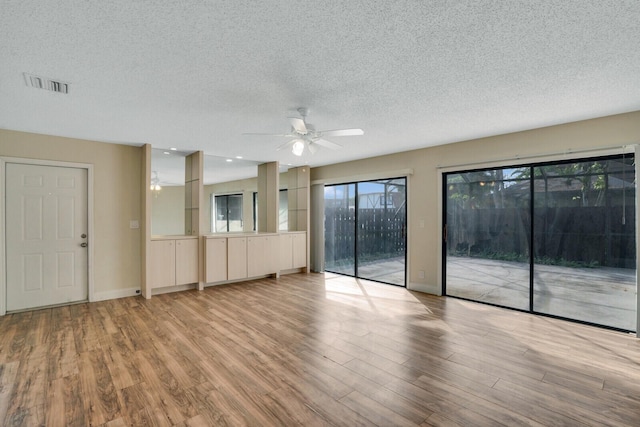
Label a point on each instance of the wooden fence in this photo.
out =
(381, 234)
(594, 236)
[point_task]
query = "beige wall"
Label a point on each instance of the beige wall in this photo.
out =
(423, 194)
(118, 180)
(117, 200)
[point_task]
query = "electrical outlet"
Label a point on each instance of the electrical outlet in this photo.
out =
(133, 224)
(421, 274)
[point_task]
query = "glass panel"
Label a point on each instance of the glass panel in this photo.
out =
(487, 246)
(381, 230)
(168, 192)
(221, 214)
(284, 211)
(234, 206)
(339, 228)
(584, 241)
(228, 210)
(255, 211)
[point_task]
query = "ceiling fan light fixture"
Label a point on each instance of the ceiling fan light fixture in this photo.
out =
(298, 147)
(155, 182)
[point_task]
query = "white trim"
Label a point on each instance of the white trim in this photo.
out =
(171, 289)
(372, 176)
(115, 294)
(439, 240)
(3, 274)
(538, 158)
(90, 231)
(19, 160)
(425, 288)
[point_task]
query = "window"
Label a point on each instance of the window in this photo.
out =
(228, 213)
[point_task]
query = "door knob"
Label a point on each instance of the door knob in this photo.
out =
(84, 245)
(84, 236)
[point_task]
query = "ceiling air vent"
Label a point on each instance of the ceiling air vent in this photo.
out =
(46, 83)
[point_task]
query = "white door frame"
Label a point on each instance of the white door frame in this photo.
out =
(3, 257)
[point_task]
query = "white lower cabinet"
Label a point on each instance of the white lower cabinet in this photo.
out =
(173, 262)
(261, 251)
(237, 258)
(246, 256)
(299, 250)
(215, 259)
(241, 257)
(163, 263)
(186, 261)
(293, 251)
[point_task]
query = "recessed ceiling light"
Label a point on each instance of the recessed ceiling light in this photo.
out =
(238, 157)
(229, 160)
(173, 149)
(166, 152)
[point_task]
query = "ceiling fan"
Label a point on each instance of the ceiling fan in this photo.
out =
(304, 134)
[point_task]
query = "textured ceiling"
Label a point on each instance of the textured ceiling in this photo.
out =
(196, 75)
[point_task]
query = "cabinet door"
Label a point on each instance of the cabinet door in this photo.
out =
(272, 260)
(216, 260)
(163, 263)
(186, 261)
(286, 252)
(237, 258)
(299, 250)
(256, 256)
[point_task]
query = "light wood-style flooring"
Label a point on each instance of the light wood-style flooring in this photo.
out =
(311, 350)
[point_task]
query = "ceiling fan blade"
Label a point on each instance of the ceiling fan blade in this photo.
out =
(327, 144)
(312, 147)
(285, 145)
(288, 135)
(299, 125)
(342, 132)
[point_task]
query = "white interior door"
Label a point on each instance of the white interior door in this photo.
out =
(46, 235)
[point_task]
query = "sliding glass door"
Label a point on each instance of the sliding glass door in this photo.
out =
(554, 238)
(339, 229)
(381, 225)
(365, 230)
(584, 241)
(488, 234)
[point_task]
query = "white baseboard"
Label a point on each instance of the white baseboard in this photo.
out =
(171, 289)
(115, 294)
(424, 287)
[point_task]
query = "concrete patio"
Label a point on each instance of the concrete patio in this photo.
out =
(390, 271)
(605, 296)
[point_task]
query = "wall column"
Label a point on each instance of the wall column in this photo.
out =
(268, 197)
(317, 228)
